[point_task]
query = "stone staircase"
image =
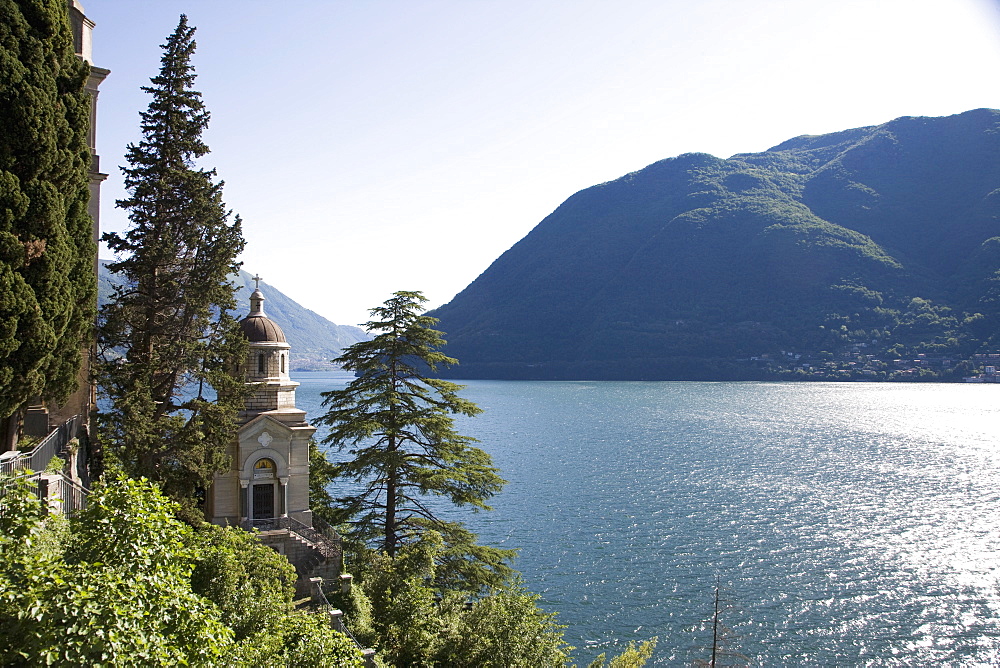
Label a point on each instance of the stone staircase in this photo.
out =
(315, 552)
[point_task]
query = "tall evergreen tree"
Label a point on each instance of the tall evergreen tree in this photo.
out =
(47, 282)
(400, 429)
(167, 339)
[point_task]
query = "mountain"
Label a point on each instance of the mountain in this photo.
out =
(881, 240)
(314, 339)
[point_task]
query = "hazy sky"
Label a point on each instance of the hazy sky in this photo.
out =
(382, 145)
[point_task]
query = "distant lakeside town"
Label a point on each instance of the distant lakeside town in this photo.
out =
(856, 365)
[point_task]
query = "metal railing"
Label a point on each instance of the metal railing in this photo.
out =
(53, 445)
(331, 534)
(55, 490)
(328, 542)
(74, 496)
(61, 493)
(338, 620)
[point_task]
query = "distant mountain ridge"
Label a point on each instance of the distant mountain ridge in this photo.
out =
(882, 240)
(314, 339)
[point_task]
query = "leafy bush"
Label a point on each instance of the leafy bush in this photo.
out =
(126, 583)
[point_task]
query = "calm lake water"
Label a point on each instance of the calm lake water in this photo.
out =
(847, 523)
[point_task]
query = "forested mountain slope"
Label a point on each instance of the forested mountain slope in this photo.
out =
(314, 339)
(882, 240)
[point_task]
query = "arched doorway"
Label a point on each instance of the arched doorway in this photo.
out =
(263, 492)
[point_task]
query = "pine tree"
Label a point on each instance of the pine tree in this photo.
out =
(47, 283)
(399, 427)
(167, 339)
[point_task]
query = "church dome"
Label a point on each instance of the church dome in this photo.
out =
(257, 327)
(261, 329)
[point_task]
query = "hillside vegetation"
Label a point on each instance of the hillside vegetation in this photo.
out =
(879, 245)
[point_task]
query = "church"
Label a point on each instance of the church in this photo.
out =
(269, 477)
(267, 485)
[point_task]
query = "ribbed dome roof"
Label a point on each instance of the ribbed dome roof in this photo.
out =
(257, 327)
(261, 329)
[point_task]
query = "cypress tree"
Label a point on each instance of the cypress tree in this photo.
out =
(168, 342)
(47, 283)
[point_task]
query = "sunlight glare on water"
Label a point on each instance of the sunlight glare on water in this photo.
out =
(849, 524)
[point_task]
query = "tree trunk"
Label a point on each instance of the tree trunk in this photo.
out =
(390, 504)
(10, 430)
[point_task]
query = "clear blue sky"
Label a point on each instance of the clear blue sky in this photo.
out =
(380, 145)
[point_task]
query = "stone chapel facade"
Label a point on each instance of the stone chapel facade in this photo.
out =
(269, 477)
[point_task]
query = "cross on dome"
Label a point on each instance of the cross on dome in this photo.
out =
(256, 298)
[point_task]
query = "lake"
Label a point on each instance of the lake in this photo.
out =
(846, 523)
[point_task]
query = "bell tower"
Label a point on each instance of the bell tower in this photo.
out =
(269, 478)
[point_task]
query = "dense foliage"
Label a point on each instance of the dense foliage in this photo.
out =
(126, 583)
(415, 623)
(634, 656)
(881, 241)
(114, 590)
(47, 287)
(167, 338)
(398, 427)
